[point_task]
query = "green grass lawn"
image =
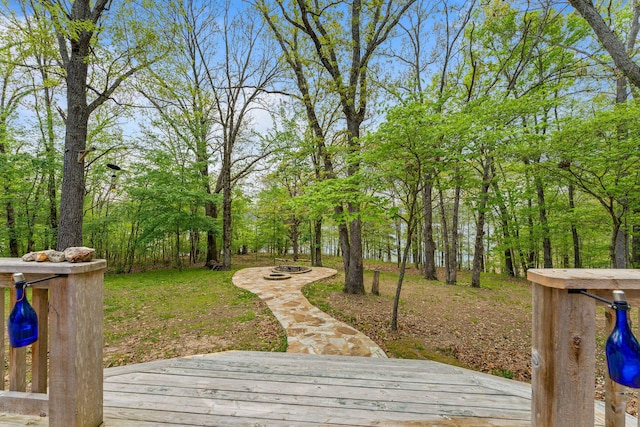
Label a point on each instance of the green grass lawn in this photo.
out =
(168, 313)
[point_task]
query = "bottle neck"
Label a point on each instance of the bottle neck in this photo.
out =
(621, 316)
(19, 294)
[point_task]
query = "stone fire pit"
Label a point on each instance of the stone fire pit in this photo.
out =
(277, 276)
(291, 269)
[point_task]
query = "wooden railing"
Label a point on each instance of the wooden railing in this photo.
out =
(70, 324)
(564, 345)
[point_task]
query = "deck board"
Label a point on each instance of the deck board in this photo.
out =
(250, 388)
(285, 389)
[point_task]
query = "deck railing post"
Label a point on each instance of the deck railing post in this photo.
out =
(40, 348)
(615, 409)
(73, 307)
(563, 344)
(562, 358)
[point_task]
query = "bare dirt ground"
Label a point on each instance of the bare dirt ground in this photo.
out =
(487, 329)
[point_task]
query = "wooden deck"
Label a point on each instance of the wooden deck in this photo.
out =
(276, 389)
(284, 389)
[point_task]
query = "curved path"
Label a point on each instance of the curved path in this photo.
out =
(309, 329)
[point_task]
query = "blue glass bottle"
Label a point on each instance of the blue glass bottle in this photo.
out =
(23, 321)
(622, 348)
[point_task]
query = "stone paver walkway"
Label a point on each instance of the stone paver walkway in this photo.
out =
(309, 329)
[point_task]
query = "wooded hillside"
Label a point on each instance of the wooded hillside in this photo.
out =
(492, 136)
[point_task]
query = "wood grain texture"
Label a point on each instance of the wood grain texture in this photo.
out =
(70, 311)
(250, 388)
(563, 353)
(76, 328)
(40, 348)
(285, 389)
(614, 392)
(563, 358)
(23, 403)
(16, 265)
(579, 278)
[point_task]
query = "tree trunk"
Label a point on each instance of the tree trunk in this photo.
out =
(631, 40)
(396, 300)
(178, 258)
(354, 276)
(620, 257)
(577, 262)
(429, 243)
(446, 241)
(621, 246)
(478, 252)
(417, 255)
(50, 151)
(343, 239)
(294, 234)
(210, 211)
(212, 247)
(544, 223)
(609, 40)
(411, 224)
(317, 243)
(504, 222)
(367, 31)
(453, 262)
(194, 239)
(75, 141)
(73, 186)
(635, 247)
(615, 232)
(226, 214)
(131, 246)
(531, 254)
(212, 240)
(398, 242)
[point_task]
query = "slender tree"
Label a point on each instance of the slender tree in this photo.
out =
(12, 91)
(320, 111)
(419, 62)
(241, 81)
(345, 38)
(180, 92)
(38, 44)
(397, 157)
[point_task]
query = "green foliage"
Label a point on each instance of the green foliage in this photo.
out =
(601, 155)
(271, 216)
(171, 197)
(517, 92)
